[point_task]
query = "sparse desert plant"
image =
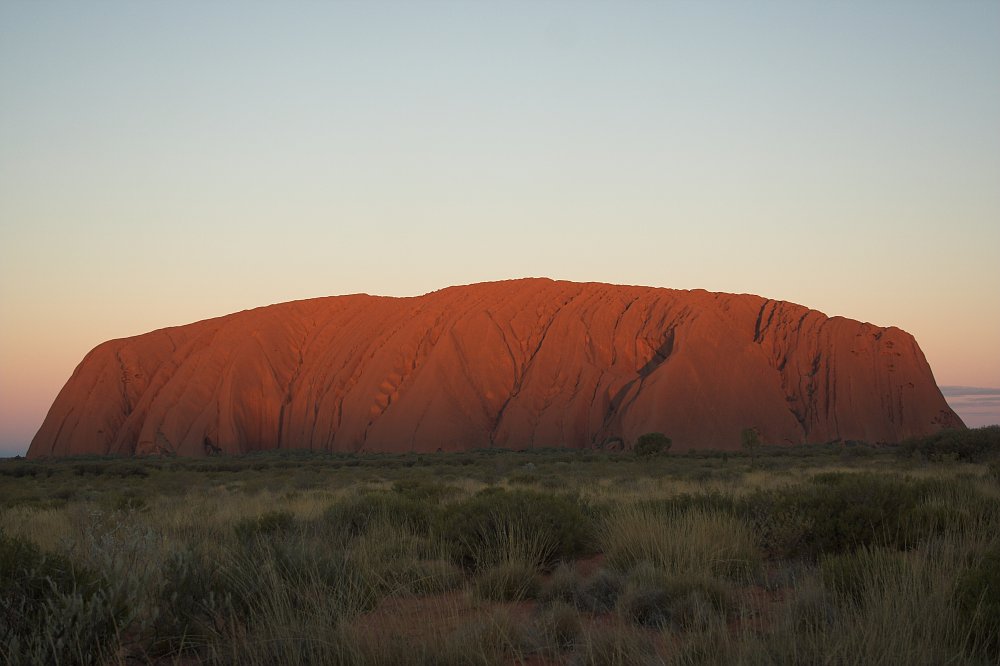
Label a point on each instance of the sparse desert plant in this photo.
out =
(648, 605)
(718, 643)
(811, 606)
(561, 585)
(495, 637)
(614, 646)
(599, 593)
(559, 626)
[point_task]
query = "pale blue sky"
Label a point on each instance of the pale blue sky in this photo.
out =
(162, 162)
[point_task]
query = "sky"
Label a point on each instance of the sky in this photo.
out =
(165, 162)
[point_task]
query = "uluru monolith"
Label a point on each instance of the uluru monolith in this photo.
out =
(516, 364)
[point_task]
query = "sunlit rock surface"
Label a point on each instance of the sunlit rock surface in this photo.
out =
(517, 364)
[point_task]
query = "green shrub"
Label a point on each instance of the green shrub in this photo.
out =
(843, 512)
(52, 611)
(354, 515)
(751, 441)
(523, 479)
(652, 443)
(712, 502)
(423, 490)
(471, 527)
(828, 478)
(973, 445)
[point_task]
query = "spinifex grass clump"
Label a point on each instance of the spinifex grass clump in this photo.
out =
(355, 514)
(289, 605)
(695, 542)
(193, 603)
(852, 577)
(52, 610)
(654, 598)
(508, 559)
(615, 645)
(599, 592)
(554, 523)
(560, 627)
(507, 537)
(264, 526)
(977, 595)
(880, 606)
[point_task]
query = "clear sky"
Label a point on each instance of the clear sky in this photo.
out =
(163, 162)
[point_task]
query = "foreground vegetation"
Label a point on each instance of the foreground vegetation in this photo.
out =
(836, 554)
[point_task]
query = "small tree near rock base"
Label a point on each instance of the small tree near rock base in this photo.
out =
(652, 443)
(750, 440)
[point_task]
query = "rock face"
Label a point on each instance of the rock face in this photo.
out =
(517, 364)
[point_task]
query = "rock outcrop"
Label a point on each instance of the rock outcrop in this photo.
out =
(516, 364)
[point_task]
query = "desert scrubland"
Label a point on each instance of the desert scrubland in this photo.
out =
(834, 554)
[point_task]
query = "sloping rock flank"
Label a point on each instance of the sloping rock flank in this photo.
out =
(517, 364)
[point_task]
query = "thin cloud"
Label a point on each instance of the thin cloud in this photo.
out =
(977, 402)
(978, 406)
(965, 391)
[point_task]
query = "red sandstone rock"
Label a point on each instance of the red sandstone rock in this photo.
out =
(517, 364)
